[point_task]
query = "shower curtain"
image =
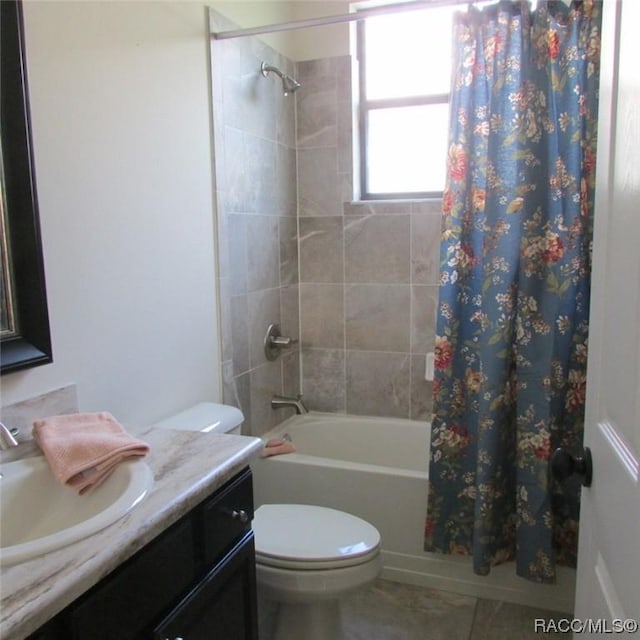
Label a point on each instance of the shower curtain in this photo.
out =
(511, 343)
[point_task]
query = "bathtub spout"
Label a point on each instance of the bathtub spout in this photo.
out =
(277, 402)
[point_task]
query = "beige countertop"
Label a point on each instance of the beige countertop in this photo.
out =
(187, 467)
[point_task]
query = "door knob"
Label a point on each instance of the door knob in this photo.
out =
(563, 465)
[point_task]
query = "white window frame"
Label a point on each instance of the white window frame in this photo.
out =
(365, 106)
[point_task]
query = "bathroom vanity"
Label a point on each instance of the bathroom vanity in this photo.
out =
(180, 565)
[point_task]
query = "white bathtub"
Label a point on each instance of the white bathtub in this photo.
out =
(376, 468)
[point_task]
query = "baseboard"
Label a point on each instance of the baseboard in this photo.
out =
(453, 574)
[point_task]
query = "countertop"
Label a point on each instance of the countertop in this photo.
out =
(187, 467)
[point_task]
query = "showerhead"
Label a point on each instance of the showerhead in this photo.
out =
(289, 84)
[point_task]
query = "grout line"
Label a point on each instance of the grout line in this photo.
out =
(473, 619)
(411, 319)
(344, 311)
(299, 274)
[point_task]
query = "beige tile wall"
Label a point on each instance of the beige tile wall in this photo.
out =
(256, 197)
(356, 282)
(368, 270)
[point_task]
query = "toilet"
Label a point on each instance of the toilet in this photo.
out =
(307, 557)
(208, 417)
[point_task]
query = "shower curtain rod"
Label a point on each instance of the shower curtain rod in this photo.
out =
(336, 19)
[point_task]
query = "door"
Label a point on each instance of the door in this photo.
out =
(608, 581)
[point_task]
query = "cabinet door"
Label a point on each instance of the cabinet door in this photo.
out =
(50, 631)
(122, 606)
(223, 606)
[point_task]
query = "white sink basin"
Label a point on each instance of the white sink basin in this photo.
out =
(38, 514)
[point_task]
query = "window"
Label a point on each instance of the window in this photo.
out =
(405, 70)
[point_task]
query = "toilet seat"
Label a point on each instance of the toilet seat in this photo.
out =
(305, 537)
(307, 559)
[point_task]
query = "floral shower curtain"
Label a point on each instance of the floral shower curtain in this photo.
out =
(511, 343)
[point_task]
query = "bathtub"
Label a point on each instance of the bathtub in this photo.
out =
(377, 469)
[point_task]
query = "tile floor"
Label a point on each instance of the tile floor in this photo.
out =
(393, 611)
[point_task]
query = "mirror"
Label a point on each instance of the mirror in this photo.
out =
(24, 319)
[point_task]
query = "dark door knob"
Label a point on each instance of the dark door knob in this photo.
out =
(563, 465)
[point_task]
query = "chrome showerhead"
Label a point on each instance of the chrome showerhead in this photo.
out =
(289, 84)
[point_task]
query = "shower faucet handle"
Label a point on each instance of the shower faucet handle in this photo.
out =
(274, 342)
(283, 341)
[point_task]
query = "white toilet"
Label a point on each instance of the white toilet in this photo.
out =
(208, 417)
(307, 557)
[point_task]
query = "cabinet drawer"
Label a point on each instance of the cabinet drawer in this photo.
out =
(140, 590)
(227, 517)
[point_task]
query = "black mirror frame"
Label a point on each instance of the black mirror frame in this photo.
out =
(31, 345)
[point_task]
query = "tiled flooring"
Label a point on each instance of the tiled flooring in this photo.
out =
(393, 611)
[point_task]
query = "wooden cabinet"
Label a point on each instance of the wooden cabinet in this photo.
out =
(221, 606)
(195, 581)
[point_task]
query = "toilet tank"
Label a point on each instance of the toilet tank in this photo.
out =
(208, 417)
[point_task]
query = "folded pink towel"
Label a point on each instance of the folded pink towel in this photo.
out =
(276, 446)
(84, 448)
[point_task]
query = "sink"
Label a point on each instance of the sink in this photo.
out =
(39, 514)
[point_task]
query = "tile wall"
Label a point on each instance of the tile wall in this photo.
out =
(256, 197)
(368, 270)
(360, 288)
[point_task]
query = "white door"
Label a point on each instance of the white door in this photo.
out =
(608, 580)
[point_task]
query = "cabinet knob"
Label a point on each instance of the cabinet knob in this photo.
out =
(240, 514)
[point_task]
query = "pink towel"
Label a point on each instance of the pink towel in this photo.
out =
(276, 446)
(84, 448)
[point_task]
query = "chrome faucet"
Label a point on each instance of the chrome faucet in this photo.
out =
(277, 402)
(7, 438)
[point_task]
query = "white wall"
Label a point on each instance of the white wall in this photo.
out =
(254, 13)
(304, 44)
(121, 125)
(321, 42)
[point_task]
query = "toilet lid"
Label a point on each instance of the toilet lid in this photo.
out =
(309, 534)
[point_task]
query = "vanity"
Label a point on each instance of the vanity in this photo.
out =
(180, 565)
